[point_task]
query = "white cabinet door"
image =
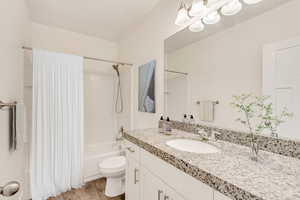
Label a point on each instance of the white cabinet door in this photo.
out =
(153, 188)
(172, 195)
(219, 196)
(132, 180)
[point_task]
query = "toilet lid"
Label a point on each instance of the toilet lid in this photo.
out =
(113, 162)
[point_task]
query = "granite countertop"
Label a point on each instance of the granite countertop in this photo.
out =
(231, 172)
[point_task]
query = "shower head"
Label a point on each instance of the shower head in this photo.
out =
(116, 67)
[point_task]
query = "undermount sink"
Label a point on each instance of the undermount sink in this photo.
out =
(192, 146)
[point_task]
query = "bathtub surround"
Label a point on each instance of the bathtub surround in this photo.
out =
(285, 147)
(230, 172)
(57, 124)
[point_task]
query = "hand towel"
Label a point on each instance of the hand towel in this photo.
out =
(21, 122)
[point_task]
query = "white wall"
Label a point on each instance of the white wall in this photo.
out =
(176, 96)
(14, 33)
(230, 62)
(145, 43)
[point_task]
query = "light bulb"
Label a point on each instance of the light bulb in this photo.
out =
(232, 8)
(212, 18)
(252, 1)
(182, 16)
(197, 26)
(198, 8)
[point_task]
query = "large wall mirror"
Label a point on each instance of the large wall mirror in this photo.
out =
(256, 51)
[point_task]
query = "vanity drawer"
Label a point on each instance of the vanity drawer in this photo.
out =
(132, 151)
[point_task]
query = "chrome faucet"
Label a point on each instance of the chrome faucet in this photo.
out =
(202, 133)
(205, 135)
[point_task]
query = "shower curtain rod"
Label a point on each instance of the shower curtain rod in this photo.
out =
(91, 58)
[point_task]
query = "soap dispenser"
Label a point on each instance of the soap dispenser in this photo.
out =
(185, 119)
(168, 126)
(161, 125)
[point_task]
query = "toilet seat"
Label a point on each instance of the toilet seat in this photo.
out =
(113, 164)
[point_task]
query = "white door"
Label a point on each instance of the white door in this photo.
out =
(132, 180)
(281, 80)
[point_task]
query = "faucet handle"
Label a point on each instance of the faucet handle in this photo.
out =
(202, 132)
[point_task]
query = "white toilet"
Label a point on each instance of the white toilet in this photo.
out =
(113, 169)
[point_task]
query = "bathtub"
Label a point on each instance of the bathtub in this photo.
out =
(95, 153)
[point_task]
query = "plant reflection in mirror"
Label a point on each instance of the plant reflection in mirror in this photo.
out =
(258, 116)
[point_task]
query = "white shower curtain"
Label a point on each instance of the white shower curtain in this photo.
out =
(57, 124)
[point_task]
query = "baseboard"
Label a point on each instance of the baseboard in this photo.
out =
(93, 177)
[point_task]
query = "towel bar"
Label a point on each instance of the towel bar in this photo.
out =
(2, 104)
(214, 102)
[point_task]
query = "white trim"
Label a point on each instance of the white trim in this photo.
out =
(93, 177)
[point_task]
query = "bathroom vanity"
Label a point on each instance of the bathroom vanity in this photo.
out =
(157, 171)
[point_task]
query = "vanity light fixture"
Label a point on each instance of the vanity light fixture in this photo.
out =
(182, 15)
(252, 1)
(232, 8)
(207, 11)
(212, 18)
(197, 26)
(199, 8)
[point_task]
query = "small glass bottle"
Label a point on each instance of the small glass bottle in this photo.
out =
(185, 119)
(168, 127)
(161, 125)
(192, 119)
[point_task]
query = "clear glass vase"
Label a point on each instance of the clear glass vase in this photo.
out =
(254, 148)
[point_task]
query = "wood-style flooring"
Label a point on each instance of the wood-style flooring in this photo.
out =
(91, 191)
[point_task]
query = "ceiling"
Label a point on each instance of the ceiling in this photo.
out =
(106, 19)
(186, 37)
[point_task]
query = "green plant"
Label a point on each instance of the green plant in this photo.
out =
(258, 115)
(271, 121)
